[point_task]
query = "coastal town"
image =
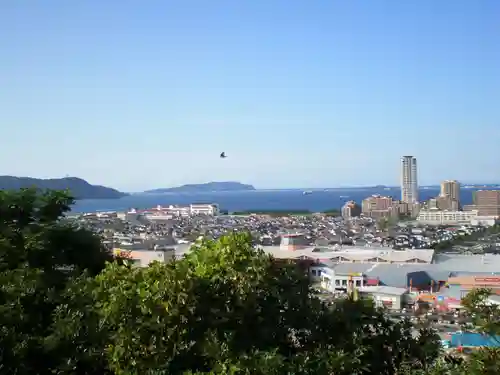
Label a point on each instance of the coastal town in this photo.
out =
(250, 188)
(417, 261)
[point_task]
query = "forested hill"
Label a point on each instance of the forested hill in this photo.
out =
(207, 187)
(79, 188)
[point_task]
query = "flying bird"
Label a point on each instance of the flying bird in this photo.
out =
(223, 155)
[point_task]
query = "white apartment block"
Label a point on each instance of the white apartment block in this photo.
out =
(163, 213)
(438, 217)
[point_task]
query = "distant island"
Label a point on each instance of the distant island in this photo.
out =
(80, 189)
(207, 187)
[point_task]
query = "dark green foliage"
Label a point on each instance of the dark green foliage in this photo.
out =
(226, 309)
(38, 257)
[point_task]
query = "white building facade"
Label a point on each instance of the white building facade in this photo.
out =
(143, 258)
(438, 217)
(168, 212)
(332, 281)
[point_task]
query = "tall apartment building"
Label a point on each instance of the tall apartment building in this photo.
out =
(376, 203)
(409, 181)
(450, 188)
(486, 202)
(378, 206)
(449, 197)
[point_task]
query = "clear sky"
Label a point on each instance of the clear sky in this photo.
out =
(317, 93)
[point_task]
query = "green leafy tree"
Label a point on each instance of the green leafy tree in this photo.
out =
(38, 256)
(486, 315)
(226, 308)
(383, 224)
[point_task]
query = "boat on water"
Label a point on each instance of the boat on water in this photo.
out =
(344, 196)
(307, 192)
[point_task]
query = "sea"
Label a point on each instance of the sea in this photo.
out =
(293, 199)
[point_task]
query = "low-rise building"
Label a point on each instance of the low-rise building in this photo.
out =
(438, 217)
(461, 283)
(485, 221)
(389, 297)
(352, 254)
(333, 280)
(171, 211)
(211, 209)
(142, 258)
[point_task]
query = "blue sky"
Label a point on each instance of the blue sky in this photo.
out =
(320, 93)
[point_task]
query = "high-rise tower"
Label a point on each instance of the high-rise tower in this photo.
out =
(449, 196)
(451, 189)
(409, 181)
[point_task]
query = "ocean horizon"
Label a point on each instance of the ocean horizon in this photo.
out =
(282, 199)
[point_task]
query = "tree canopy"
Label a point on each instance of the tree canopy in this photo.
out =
(39, 256)
(225, 308)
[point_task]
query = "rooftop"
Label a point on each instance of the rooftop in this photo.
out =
(468, 263)
(471, 273)
(355, 254)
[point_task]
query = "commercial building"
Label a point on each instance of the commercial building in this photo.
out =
(409, 180)
(333, 279)
(461, 283)
(341, 278)
(438, 217)
(448, 295)
(410, 276)
(442, 283)
(351, 254)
